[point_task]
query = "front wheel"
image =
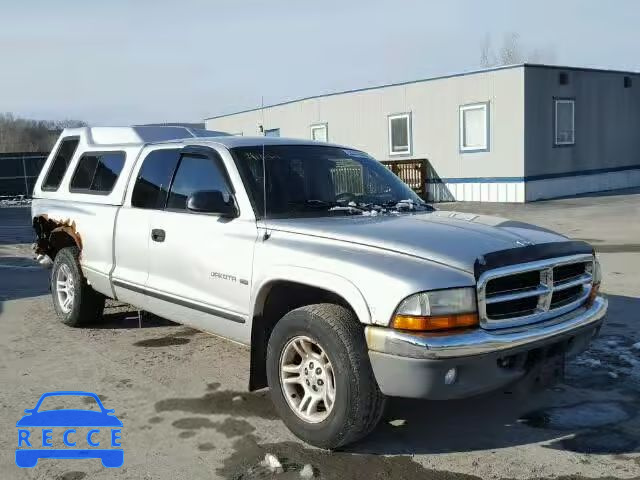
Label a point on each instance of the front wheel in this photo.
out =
(320, 377)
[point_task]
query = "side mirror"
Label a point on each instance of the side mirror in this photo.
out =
(213, 201)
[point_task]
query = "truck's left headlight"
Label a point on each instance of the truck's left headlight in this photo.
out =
(437, 310)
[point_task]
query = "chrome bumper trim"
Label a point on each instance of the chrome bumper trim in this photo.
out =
(478, 342)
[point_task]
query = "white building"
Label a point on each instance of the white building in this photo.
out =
(509, 134)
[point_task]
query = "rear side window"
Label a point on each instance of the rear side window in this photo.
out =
(195, 173)
(97, 172)
(152, 185)
(60, 163)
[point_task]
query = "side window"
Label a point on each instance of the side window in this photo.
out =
(565, 133)
(60, 163)
(97, 172)
(152, 185)
(195, 173)
(400, 134)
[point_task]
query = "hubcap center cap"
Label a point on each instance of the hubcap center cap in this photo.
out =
(314, 374)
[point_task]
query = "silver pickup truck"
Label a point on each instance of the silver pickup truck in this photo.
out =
(347, 287)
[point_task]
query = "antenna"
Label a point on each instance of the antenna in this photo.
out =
(264, 178)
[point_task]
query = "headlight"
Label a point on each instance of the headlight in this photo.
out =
(437, 310)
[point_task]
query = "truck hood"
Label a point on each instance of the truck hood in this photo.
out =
(452, 238)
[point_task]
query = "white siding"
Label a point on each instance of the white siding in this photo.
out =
(359, 119)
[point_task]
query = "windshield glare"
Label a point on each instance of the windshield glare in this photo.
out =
(310, 180)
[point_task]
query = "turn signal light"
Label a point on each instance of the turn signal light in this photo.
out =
(435, 323)
(595, 288)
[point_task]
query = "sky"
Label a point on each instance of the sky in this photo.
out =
(119, 62)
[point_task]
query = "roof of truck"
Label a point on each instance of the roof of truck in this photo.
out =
(138, 134)
(232, 141)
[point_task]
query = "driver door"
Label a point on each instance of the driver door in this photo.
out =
(200, 264)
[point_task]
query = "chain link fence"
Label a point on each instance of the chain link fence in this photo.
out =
(19, 171)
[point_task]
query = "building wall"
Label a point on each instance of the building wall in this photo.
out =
(606, 154)
(359, 119)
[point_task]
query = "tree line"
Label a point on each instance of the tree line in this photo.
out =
(25, 135)
(512, 52)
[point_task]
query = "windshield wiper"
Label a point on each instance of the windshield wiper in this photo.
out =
(313, 203)
(348, 209)
(407, 205)
(333, 207)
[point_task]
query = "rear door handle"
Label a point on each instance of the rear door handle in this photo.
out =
(157, 235)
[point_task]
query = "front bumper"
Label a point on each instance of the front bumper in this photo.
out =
(414, 365)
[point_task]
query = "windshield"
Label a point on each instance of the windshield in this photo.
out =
(310, 180)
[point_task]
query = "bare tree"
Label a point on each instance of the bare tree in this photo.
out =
(487, 56)
(22, 135)
(511, 52)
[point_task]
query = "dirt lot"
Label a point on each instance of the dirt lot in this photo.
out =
(180, 393)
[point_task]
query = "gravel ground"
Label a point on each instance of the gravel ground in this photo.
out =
(180, 392)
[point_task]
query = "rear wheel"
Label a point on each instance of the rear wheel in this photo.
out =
(320, 377)
(75, 302)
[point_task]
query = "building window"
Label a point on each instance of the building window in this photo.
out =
(272, 132)
(400, 134)
(564, 121)
(319, 132)
(474, 127)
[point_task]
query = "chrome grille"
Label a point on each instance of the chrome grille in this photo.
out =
(533, 292)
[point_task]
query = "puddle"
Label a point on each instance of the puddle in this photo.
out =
(19, 262)
(72, 476)
(230, 427)
(613, 341)
(216, 403)
(193, 423)
(91, 400)
(155, 419)
(188, 332)
(162, 342)
(579, 416)
(244, 464)
(176, 338)
(205, 447)
(617, 324)
(600, 442)
(187, 434)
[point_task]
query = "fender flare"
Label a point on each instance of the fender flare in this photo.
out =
(328, 281)
(313, 278)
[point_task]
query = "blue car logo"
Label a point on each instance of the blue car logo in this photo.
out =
(34, 444)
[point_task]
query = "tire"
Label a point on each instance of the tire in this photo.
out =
(86, 305)
(357, 404)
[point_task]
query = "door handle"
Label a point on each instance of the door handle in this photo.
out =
(157, 235)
